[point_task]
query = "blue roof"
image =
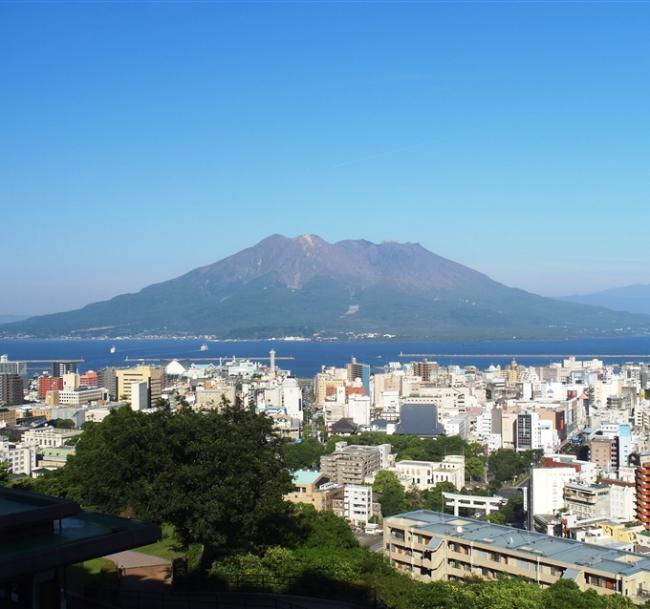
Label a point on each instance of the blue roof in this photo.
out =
(305, 476)
(536, 544)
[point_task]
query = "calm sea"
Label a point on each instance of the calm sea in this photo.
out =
(308, 357)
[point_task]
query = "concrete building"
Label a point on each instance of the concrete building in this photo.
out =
(433, 546)
(43, 535)
(140, 395)
(603, 452)
(48, 383)
(424, 475)
(12, 390)
(587, 501)
(20, 458)
(547, 489)
(153, 376)
(48, 437)
(622, 499)
(643, 490)
(357, 505)
(9, 367)
(63, 367)
(312, 488)
(350, 464)
(82, 397)
(292, 397)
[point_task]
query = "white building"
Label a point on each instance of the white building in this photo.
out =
(357, 503)
(622, 499)
(20, 458)
(547, 488)
(48, 437)
(292, 398)
(80, 397)
(140, 395)
(358, 409)
(426, 474)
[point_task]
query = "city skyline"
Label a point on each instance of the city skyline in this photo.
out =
(149, 139)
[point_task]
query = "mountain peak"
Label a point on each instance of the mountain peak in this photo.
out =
(305, 285)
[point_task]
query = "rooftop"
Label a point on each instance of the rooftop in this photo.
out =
(599, 558)
(38, 533)
(305, 476)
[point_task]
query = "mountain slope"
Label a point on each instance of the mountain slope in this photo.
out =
(303, 286)
(631, 298)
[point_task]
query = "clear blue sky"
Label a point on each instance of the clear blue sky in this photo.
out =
(140, 140)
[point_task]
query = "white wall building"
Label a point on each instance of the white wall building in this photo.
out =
(20, 458)
(357, 503)
(140, 395)
(80, 397)
(292, 398)
(547, 488)
(426, 474)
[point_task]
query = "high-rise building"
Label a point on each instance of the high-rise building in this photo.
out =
(12, 390)
(63, 367)
(361, 372)
(9, 367)
(48, 383)
(108, 379)
(89, 379)
(425, 369)
(604, 452)
(126, 377)
(643, 490)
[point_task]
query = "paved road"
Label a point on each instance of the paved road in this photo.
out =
(374, 542)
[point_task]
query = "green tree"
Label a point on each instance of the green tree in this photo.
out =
(63, 424)
(475, 468)
(302, 455)
(5, 474)
(433, 498)
(392, 497)
(218, 478)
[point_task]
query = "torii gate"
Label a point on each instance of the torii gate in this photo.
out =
(475, 502)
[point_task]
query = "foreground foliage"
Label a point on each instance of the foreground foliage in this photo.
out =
(218, 478)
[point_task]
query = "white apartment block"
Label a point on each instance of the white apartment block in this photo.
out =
(20, 459)
(424, 475)
(292, 398)
(547, 488)
(357, 503)
(358, 409)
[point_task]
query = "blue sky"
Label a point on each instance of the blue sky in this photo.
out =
(140, 140)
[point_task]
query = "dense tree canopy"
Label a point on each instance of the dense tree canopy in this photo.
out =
(218, 478)
(505, 465)
(302, 455)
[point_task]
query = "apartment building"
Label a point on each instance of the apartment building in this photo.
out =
(20, 459)
(351, 464)
(12, 390)
(355, 504)
(435, 546)
(587, 501)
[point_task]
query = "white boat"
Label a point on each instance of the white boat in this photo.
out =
(204, 347)
(113, 349)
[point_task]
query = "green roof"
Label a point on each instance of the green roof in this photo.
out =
(305, 476)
